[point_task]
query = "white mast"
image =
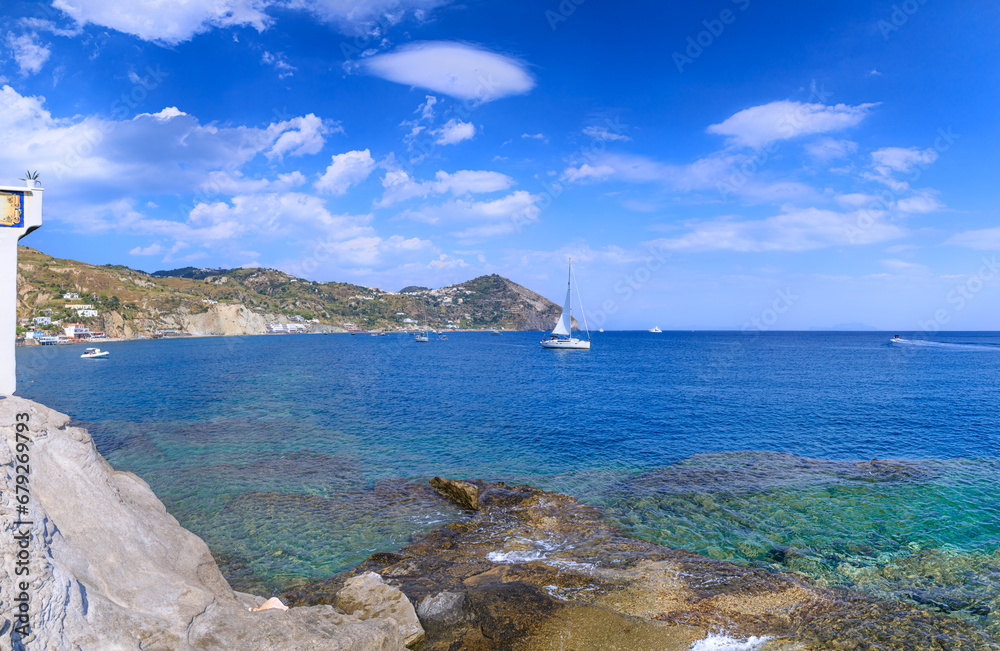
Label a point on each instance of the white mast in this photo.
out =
(564, 326)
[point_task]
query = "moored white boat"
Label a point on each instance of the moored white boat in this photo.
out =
(562, 335)
(425, 335)
(94, 353)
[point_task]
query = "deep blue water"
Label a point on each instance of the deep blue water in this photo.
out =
(288, 443)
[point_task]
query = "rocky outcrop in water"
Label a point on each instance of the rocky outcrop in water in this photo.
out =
(533, 570)
(100, 564)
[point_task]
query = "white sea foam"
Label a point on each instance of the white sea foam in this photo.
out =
(540, 550)
(516, 556)
(716, 642)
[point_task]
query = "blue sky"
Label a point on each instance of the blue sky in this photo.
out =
(726, 164)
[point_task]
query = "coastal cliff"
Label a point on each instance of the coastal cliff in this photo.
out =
(96, 562)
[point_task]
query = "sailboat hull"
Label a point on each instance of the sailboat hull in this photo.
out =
(571, 344)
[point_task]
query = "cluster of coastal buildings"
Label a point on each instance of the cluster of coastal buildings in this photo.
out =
(298, 324)
(70, 331)
(449, 295)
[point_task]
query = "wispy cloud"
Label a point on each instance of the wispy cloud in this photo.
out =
(982, 239)
(600, 133)
(825, 150)
(795, 230)
(279, 62)
(482, 219)
(399, 186)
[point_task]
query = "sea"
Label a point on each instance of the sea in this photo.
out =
(846, 457)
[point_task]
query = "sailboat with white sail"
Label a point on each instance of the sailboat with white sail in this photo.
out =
(562, 334)
(425, 335)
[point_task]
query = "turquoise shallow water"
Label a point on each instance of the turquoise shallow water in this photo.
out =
(291, 455)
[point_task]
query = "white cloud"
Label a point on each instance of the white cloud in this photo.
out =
(704, 173)
(719, 173)
(267, 215)
(167, 22)
(484, 218)
(168, 152)
(300, 136)
(587, 172)
(760, 125)
(795, 230)
(228, 230)
(889, 161)
(600, 133)
(534, 136)
(445, 261)
(454, 131)
(899, 159)
(399, 186)
(360, 15)
(344, 171)
(924, 202)
(233, 182)
(29, 53)
(177, 21)
(825, 150)
(152, 249)
(983, 239)
(455, 69)
(372, 250)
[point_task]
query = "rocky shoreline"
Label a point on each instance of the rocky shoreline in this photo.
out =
(531, 569)
(525, 569)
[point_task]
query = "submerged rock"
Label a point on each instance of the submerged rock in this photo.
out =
(533, 570)
(111, 569)
(465, 494)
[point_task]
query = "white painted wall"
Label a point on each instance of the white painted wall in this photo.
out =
(8, 281)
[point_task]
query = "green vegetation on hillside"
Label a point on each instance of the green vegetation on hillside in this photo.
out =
(142, 301)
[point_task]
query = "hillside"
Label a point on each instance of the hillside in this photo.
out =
(243, 301)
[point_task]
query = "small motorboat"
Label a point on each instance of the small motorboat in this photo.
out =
(94, 353)
(443, 337)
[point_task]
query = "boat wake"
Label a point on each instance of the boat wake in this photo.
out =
(924, 343)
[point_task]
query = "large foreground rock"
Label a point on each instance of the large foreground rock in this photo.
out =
(111, 569)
